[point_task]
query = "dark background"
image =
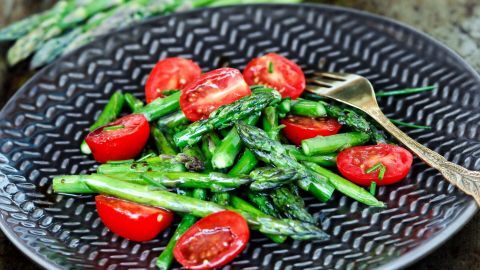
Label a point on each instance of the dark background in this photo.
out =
(456, 23)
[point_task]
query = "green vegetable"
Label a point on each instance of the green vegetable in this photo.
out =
(328, 160)
(142, 166)
(292, 205)
(222, 198)
(178, 203)
(22, 27)
(333, 143)
(308, 108)
(346, 187)
(188, 158)
(164, 261)
(245, 163)
(226, 115)
(270, 67)
(271, 178)
(133, 103)
(225, 154)
(405, 91)
(160, 107)
(284, 107)
(162, 143)
(272, 152)
(270, 123)
(109, 113)
(173, 120)
(373, 188)
(380, 167)
(243, 205)
(264, 203)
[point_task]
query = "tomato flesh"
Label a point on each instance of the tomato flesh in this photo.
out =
(131, 220)
(278, 72)
(353, 163)
(299, 128)
(168, 74)
(213, 241)
(212, 90)
(121, 139)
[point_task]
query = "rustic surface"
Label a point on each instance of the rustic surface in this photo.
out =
(454, 22)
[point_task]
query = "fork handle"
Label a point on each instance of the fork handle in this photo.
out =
(466, 180)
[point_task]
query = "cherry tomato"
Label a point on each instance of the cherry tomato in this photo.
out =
(132, 220)
(278, 72)
(299, 128)
(168, 74)
(121, 139)
(213, 241)
(395, 161)
(212, 90)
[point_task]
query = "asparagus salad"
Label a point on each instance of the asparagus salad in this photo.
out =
(228, 152)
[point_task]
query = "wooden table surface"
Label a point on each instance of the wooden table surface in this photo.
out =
(454, 22)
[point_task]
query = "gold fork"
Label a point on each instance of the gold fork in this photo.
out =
(356, 91)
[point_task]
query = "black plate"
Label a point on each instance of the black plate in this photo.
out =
(43, 124)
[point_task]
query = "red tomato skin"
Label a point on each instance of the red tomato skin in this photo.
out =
(212, 90)
(286, 76)
(237, 225)
(170, 73)
(120, 144)
(353, 162)
(131, 220)
(299, 128)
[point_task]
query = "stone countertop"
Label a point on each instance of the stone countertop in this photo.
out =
(456, 23)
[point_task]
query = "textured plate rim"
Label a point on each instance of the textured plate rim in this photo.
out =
(403, 261)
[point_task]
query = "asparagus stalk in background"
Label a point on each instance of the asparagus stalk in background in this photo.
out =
(226, 115)
(272, 152)
(162, 143)
(245, 163)
(173, 120)
(222, 198)
(225, 154)
(270, 123)
(21, 28)
(327, 160)
(164, 261)
(160, 107)
(109, 113)
(142, 166)
(284, 107)
(178, 203)
(272, 178)
(346, 187)
(133, 103)
(333, 143)
(308, 108)
(263, 202)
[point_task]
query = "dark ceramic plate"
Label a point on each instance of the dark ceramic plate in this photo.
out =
(43, 124)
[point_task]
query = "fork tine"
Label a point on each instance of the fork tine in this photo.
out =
(331, 76)
(322, 83)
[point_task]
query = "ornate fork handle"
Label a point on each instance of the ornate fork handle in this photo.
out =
(468, 181)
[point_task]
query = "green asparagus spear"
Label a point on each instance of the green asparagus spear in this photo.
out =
(21, 28)
(271, 178)
(291, 204)
(333, 143)
(133, 103)
(173, 120)
(109, 113)
(222, 198)
(284, 107)
(328, 160)
(166, 257)
(243, 205)
(178, 203)
(188, 159)
(346, 187)
(270, 123)
(272, 152)
(245, 163)
(308, 108)
(264, 203)
(225, 154)
(226, 115)
(162, 143)
(160, 107)
(143, 166)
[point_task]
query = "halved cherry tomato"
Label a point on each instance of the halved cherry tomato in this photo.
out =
(213, 241)
(132, 220)
(395, 161)
(121, 139)
(276, 71)
(299, 128)
(212, 90)
(168, 74)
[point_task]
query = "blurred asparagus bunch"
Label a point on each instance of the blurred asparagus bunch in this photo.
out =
(70, 24)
